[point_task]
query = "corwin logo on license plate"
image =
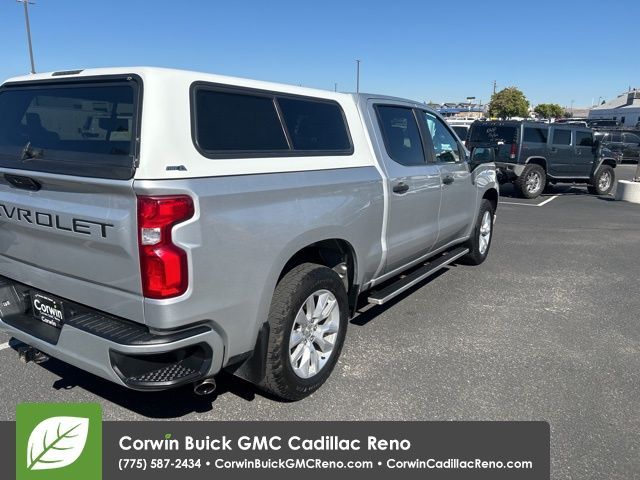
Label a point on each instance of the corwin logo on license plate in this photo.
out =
(49, 310)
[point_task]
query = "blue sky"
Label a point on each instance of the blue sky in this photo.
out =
(555, 51)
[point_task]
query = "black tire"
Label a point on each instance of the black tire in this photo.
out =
(521, 182)
(291, 293)
(598, 184)
(475, 255)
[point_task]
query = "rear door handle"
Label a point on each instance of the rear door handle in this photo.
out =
(448, 180)
(400, 187)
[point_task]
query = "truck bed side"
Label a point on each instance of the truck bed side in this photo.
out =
(245, 230)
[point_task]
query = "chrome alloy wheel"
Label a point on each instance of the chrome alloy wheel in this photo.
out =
(533, 182)
(314, 333)
(604, 182)
(485, 233)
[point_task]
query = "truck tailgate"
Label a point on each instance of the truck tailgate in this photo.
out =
(74, 237)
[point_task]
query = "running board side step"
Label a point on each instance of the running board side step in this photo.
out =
(378, 297)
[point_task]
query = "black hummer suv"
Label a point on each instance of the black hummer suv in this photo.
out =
(533, 155)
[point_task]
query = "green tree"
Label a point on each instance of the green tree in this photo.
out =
(509, 102)
(549, 110)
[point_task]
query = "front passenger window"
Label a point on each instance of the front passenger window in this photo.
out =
(444, 143)
(584, 139)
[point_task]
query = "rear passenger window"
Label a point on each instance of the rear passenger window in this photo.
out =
(314, 125)
(232, 122)
(239, 123)
(401, 135)
(561, 137)
(535, 135)
(584, 139)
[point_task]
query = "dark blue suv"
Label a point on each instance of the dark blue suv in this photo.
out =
(533, 155)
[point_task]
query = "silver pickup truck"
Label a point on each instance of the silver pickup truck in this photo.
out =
(158, 226)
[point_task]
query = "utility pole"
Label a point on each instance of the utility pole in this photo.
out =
(26, 4)
(357, 76)
(494, 87)
(335, 86)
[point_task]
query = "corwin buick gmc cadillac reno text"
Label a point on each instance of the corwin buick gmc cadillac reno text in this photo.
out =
(158, 226)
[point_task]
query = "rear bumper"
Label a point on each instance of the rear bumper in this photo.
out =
(509, 171)
(123, 352)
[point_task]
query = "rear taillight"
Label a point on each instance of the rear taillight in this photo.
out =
(163, 265)
(514, 151)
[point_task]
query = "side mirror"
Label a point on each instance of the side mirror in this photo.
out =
(480, 155)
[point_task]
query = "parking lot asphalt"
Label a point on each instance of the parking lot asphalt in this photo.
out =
(546, 329)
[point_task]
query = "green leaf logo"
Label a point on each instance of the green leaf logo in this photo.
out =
(57, 442)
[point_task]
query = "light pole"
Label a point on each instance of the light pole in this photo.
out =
(335, 86)
(357, 76)
(26, 4)
(469, 101)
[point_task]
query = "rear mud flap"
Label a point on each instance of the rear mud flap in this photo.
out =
(253, 369)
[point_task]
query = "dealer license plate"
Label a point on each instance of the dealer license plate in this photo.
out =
(48, 309)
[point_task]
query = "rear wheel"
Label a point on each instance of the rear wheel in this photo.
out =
(532, 181)
(602, 182)
(481, 237)
(308, 322)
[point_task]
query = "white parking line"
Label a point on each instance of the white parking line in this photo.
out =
(548, 200)
(4, 345)
(530, 204)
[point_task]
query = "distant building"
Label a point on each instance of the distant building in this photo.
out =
(459, 109)
(469, 110)
(577, 112)
(462, 113)
(624, 109)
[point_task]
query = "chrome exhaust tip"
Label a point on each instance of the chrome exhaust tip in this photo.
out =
(205, 387)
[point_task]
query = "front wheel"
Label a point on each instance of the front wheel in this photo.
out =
(308, 322)
(602, 182)
(481, 236)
